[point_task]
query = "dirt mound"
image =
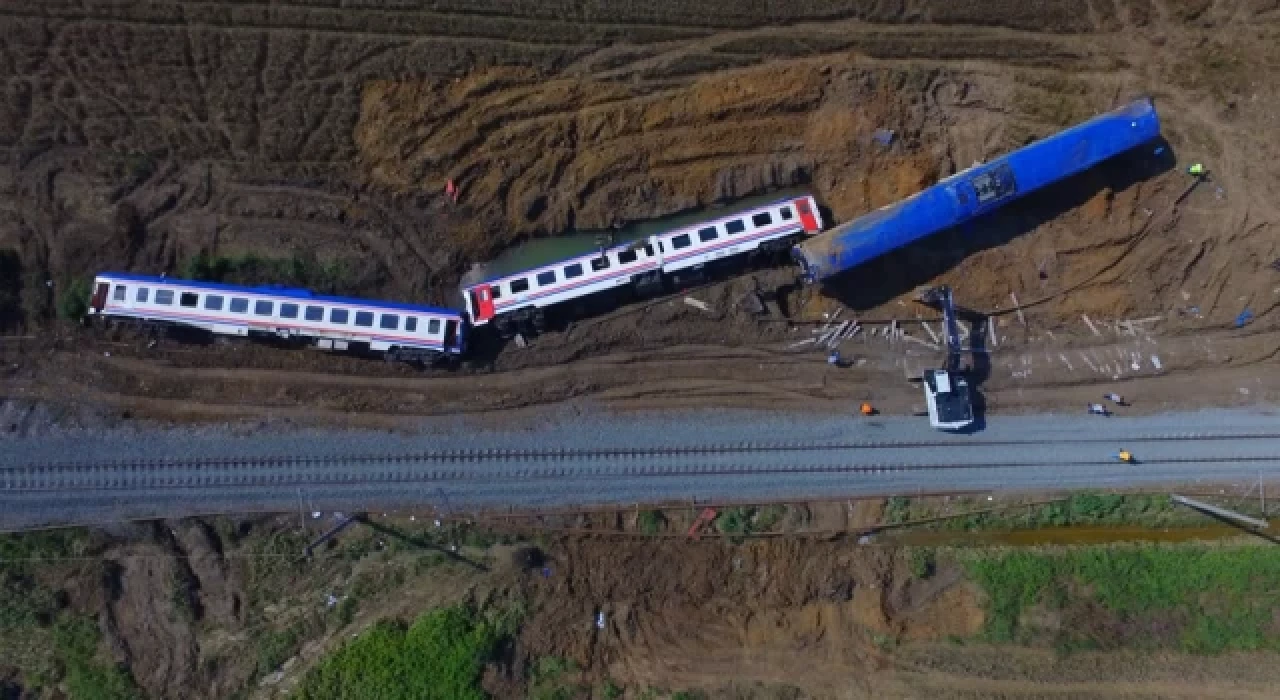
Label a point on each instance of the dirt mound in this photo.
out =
(711, 614)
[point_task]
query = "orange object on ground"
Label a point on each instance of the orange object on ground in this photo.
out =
(707, 515)
(868, 410)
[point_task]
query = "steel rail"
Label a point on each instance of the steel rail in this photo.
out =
(134, 479)
(499, 455)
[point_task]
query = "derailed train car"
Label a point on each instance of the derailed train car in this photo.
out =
(978, 190)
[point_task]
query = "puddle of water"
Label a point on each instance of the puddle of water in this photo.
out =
(543, 251)
(1083, 535)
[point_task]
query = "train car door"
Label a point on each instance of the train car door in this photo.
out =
(100, 296)
(482, 302)
(807, 219)
(450, 334)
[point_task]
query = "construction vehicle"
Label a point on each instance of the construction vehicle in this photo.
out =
(946, 390)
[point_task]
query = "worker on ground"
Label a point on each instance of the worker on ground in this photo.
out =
(868, 409)
(1125, 456)
(1098, 409)
(1197, 170)
(834, 358)
(1115, 399)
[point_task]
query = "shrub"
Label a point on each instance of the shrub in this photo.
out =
(650, 522)
(73, 301)
(440, 656)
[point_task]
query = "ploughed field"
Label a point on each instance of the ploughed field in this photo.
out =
(310, 143)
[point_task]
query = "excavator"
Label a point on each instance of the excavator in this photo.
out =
(946, 390)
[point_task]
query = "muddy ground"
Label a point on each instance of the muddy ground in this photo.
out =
(137, 137)
(226, 608)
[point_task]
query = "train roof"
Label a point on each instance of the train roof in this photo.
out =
(277, 291)
(544, 252)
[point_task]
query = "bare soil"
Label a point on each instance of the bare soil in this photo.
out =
(139, 136)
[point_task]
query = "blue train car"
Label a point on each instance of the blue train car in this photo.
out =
(978, 190)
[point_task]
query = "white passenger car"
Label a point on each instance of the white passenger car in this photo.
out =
(400, 331)
(646, 265)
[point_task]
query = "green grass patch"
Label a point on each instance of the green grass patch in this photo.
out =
(1078, 510)
(73, 299)
(650, 522)
(250, 269)
(441, 655)
(1197, 599)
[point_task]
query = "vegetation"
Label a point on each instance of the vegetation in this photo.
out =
(52, 645)
(73, 300)
(441, 655)
(249, 269)
(548, 682)
(1080, 509)
(923, 561)
(1198, 599)
(650, 522)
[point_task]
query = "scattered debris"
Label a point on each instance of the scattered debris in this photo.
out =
(1155, 362)
(1089, 323)
(927, 344)
(600, 621)
(884, 137)
(1244, 317)
(702, 305)
(802, 343)
(520, 341)
(930, 331)
(991, 331)
(1021, 318)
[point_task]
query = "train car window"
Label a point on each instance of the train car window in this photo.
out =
(495, 292)
(520, 285)
(338, 315)
(142, 294)
(735, 226)
(546, 278)
(288, 311)
(389, 322)
(164, 296)
(574, 270)
(433, 326)
(648, 249)
(411, 324)
(314, 313)
(627, 256)
(762, 219)
(189, 300)
(238, 305)
(681, 241)
(364, 318)
(263, 308)
(785, 213)
(600, 263)
(213, 302)
(708, 234)
(119, 293)
(661, 248)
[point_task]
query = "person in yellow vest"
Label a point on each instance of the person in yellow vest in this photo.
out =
(1197, 170)
(1125, 456)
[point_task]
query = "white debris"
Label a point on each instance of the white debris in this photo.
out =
(1021, 318)
(1089, 323)
(704, 306)
(804, 342)
(315, 514)
(930, 331)
(1155, 362)
(991, 331)
(599, 621)
(520, 341)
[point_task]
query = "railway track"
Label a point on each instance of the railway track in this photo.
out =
(497, 465)
(503, 455)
